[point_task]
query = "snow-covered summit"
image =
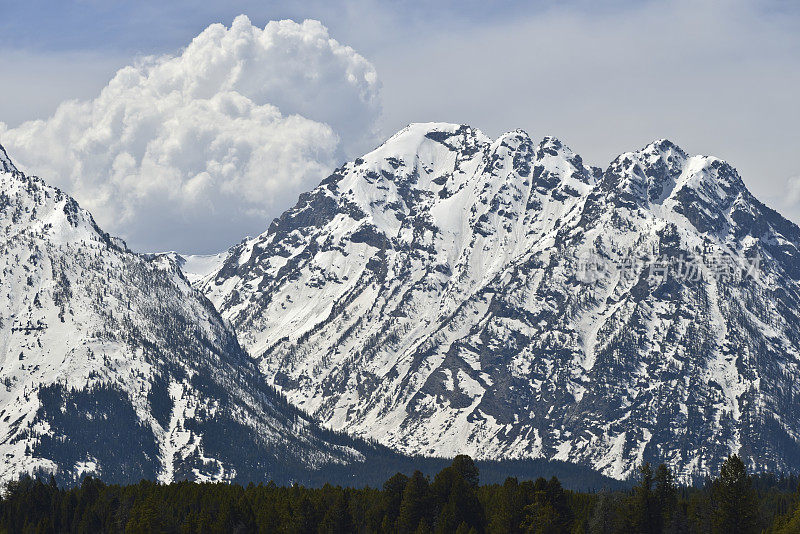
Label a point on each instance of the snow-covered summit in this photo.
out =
(113, 365)
(449, 293)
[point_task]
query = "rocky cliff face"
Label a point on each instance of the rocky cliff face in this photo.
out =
(448, 293)
(113, 365)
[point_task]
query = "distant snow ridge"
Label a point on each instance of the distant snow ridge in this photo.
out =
(428, 295)
(113, 365)
(197, 267)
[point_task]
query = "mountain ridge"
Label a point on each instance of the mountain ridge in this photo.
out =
(429, 295)
(114, 366)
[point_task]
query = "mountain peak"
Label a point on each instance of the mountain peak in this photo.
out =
(433, 130)
(663, 146)
(433, 300)
(553, 143)
(426, 140)
(552, 146)
(122, 337)
(517, 133)
(662, 178)
(661, 170)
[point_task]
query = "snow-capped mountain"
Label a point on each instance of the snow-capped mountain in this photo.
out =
(113, 365)
(448, 293)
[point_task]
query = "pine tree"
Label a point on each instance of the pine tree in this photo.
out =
(415, 505)
(337, 519)
(423, 527)
(666, 495)
(303, 516)
(678, 522)
(791, 525)
(508, 509)
(550, 511)
(736, 503)
(463, 507)
(541, 518)
(558, 498)
(465, 466)
(392, 498)
(645, 507)
(454, 490)
(603, 519)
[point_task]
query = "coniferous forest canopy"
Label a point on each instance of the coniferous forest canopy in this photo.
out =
(453, 500)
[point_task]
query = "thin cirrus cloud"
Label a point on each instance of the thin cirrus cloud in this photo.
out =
(195, 151)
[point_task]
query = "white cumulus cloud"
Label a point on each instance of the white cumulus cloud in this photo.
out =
(193, 152)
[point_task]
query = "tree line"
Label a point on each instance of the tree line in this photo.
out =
(452, 501)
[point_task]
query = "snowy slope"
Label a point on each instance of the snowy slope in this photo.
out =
(113, 365)
(197, 267)
(433, 295)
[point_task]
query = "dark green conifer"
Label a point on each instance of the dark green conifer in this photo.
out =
(416, 504)
(735, 500)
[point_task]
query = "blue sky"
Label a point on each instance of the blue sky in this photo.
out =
(123, 25)
(716, 77)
